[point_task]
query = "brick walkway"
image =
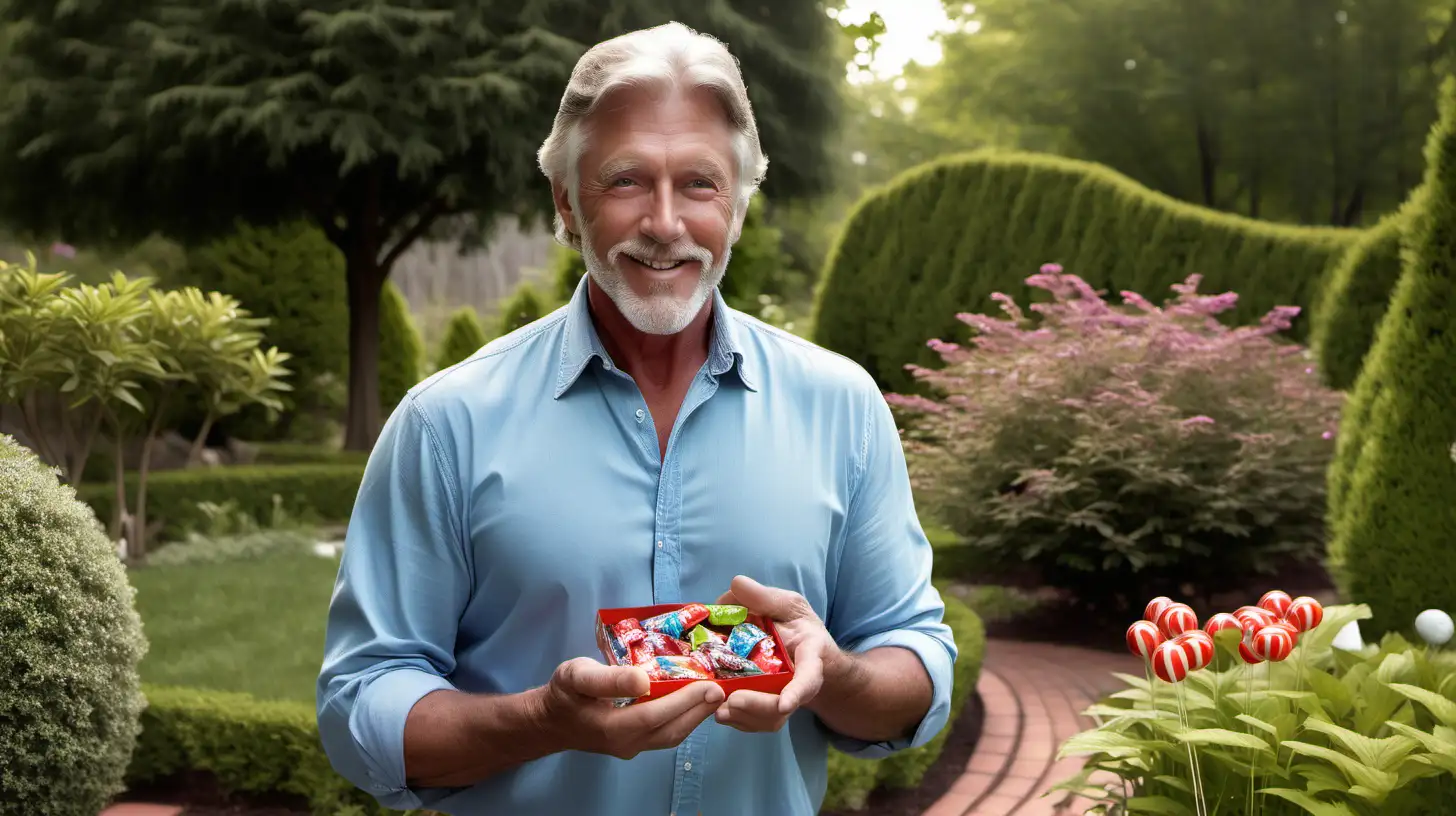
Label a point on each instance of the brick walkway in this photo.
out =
(1034, 694)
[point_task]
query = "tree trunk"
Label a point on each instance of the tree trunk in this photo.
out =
(119, 473)
(194, 454)
(138, 547)
(365, 285)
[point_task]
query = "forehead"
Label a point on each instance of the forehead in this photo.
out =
(644, 127)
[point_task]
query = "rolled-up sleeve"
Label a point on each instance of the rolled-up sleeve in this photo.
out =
(883, 594)
(403, 581)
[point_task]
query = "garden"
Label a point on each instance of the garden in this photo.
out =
(1121, 392)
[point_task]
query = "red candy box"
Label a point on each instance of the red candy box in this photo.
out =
(678, 644)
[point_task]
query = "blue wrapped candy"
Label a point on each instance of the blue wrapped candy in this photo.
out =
(744, 637)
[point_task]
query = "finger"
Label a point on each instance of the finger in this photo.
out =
(771, 602)
(658, 714)
(674, 731)
(591, 678)
(751, 711)
(728, 598)
(808, 679)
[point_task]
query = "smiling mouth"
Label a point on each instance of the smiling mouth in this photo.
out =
(660, 266)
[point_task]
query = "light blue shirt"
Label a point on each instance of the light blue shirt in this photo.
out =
(513, 495)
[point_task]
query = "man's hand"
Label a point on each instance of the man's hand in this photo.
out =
(578, 706)
(807, 643)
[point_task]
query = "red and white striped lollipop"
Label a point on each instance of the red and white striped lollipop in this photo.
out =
(1252, 618)
(1177, 619)
(1273, 643)
(1170, 662)
(1199, 646)
(1220, 622)
(1305, 613)
(1142, 638)
(1247, 653)
(1155, 608)
(1276, 601)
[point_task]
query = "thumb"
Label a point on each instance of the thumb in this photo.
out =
(772, 602)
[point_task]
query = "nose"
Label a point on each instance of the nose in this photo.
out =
(662, 223)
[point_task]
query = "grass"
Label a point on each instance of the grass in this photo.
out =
(248, 625)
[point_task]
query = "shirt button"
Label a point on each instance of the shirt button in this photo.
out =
(687, 766)
(641, 414)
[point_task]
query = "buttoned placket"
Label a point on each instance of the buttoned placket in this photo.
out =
(687, 787)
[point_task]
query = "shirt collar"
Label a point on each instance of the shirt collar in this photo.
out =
(580, 342)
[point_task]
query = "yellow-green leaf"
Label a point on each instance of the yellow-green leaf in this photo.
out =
(1309, 803)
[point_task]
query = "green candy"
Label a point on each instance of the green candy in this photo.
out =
(699, 636)
(726, 615)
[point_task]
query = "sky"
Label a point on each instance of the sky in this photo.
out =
(909, 27)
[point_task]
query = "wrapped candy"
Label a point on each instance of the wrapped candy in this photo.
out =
(679, 667)
(678, 621)
(726, 614)
(727, 663)
(702, 634)
(629, 631)
(618, 650)
(744, 637)
(763, 656)
(662, 644)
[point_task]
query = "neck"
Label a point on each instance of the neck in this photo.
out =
(654, 360)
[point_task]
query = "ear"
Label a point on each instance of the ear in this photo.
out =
(562, 201)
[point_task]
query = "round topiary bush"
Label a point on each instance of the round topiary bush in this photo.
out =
(70, 642)
(401, 348)
(464, 335)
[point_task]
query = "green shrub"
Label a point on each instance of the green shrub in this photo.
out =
(1118, 448)
(1394, 517)
(315, 493)
(70, 644)
(401, 348)
(293, 276)
(942, 238)
(464, 335)
(1354, 300)
(304, 453)
(852, 780)
(1326, 732)
(251, 746)
(525, 306)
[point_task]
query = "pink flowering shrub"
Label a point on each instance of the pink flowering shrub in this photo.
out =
(1123, 450)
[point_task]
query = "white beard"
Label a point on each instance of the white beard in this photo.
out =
(660, 311)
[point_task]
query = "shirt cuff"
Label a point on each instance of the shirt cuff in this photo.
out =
(377, 726)
(939, 665)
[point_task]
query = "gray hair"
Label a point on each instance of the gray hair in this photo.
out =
(666, 56)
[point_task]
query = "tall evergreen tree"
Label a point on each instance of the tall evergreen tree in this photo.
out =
(381, 122)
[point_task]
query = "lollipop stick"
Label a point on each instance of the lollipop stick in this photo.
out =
(1200, 806)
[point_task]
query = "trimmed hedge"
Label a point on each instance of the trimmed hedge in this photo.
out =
(852, 780)
(323, 492)
(259, 747)
(464, 335)
(1391, 484)
(1354, 300)
(251, 746)
(306, 453)
(401, 349)
(943, 237)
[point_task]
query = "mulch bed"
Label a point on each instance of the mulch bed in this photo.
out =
(939, 777)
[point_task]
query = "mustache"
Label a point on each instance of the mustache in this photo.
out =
(653, 252)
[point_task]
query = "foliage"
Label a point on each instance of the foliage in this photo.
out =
(401, 349)
(957, 230)
(178, 499)
(1314, 114)
(301, 453)
(1121, 448)
(1325, 731)
(526, 305)
(1354, 300)
(852, 780)
(69, 648)
(121, 357)
(293, 277)
(464, 335)
(249, 745)
(1391, 514)
(381, 124)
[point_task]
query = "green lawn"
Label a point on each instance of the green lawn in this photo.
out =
(249, 625)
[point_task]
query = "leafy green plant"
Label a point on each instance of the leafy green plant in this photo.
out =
(464, 335)
(1117, 448)
(1326, 732)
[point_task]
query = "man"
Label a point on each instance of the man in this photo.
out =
(645, 444)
